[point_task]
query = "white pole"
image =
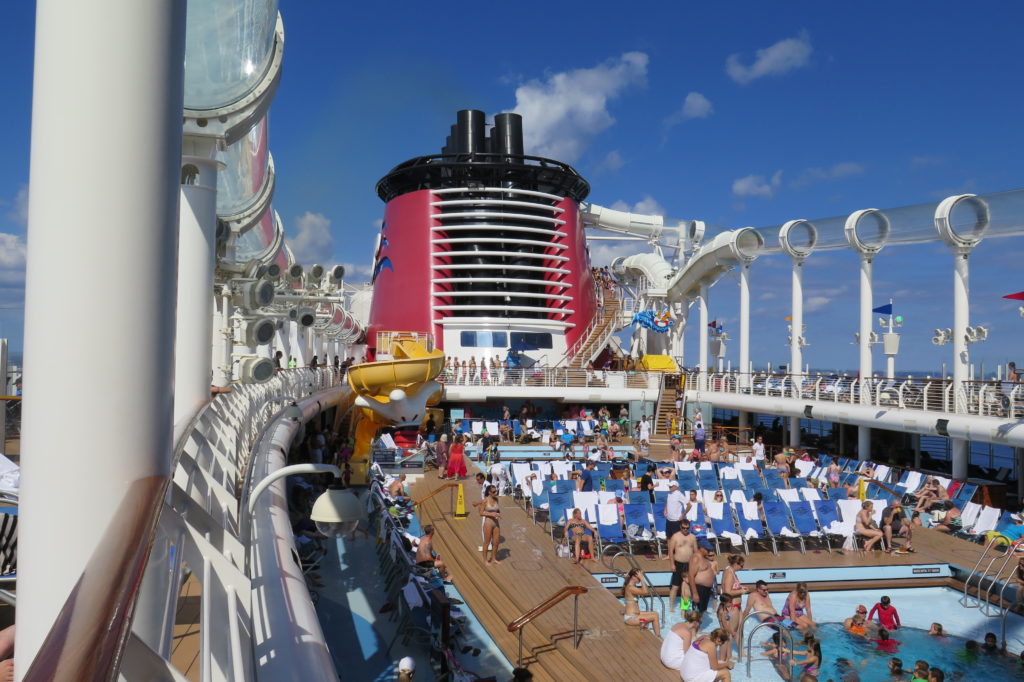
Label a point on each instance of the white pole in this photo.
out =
(702, 302)
(795, 351)
(193, 371)
(124, 231)
(866, 304)
(890, 366)
(961, 356)
(744, 326)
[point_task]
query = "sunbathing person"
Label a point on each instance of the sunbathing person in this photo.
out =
(866, 527)
(576, 530)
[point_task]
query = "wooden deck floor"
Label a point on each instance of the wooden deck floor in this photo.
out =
(529, 572)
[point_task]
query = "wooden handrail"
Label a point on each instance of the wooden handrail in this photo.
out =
(446, 486)
(565, 592)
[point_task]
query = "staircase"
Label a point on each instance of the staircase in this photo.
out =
(599, 336)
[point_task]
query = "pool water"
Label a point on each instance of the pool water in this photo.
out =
(918, 608)
(849, 657)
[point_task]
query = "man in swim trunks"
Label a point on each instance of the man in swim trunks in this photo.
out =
(703, 572)
(425, 556)
(894, 523)
(681, 548)
(758, 600)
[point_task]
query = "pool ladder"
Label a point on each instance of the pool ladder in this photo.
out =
(994, 577)
(784, 636)
(609, 563)
(975, 602)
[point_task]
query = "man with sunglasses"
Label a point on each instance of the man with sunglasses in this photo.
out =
(758, 600)
(681, 548)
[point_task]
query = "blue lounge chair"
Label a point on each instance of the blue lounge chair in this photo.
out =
(806, 525)
(560, 504)
(751, 478)
(746, 524)
(687, 480)
(776, 517)
(708, 479)
(966, 492)
(827, 512)
(639, 515)
(611, 532)
(773, 479)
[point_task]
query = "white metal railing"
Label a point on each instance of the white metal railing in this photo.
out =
(201, 522)
(1000, 399)
(550, 377)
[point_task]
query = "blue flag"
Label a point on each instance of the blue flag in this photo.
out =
(884, 309)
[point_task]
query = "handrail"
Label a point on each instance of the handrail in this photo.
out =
(1010, 554)
(783, 633)
(569, 590)
(546, 605)
(446, 486)
(974, 571)
(1006, 609)
(87, 640)
(743, 623)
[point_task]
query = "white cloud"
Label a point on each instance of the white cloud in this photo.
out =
(612, 161)
(647, 206)
(783, 56)
(816, 303)
(603, 253)
(19, 211)
(565, 112)
(357, 271)
(314, 242)
(767, 296)
(757, 185)
(695, 105)
(834, 172)
(12, 252)
(927, 161)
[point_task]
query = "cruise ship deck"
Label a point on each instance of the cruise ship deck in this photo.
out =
(529, 571)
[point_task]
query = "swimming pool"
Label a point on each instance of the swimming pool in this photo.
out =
(918, 608)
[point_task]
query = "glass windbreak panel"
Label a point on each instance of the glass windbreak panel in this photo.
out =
(253, 243)
(531, 340)
(227, 47)
(245, 169)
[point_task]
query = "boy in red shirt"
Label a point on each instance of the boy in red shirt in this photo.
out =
(888, 618)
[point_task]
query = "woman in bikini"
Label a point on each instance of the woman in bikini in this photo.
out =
(798, 608)
(833, 474)
(866, 526)
(576, 530)
(490, 512)
(633, 588)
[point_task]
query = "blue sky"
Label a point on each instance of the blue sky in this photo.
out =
(738, 113)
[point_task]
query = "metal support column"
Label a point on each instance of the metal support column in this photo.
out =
(127, 132)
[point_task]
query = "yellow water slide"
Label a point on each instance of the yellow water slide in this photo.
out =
(394, 392)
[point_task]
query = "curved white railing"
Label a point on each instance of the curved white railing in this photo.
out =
(1001, 399)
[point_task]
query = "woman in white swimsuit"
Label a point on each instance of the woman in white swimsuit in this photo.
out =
(633, 588)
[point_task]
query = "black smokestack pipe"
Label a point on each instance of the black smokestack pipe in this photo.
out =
(447, 149)
(508, 134)
(472, 131)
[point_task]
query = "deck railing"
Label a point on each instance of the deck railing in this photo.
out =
(1002, 399)
(551, 377)
(519, 623)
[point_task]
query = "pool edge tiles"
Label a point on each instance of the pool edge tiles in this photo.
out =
(815, 575)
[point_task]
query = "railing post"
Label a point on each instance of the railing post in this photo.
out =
(575, 621)
(519, 659)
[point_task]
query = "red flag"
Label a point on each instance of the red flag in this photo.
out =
(1019, 296)
(713, 323)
